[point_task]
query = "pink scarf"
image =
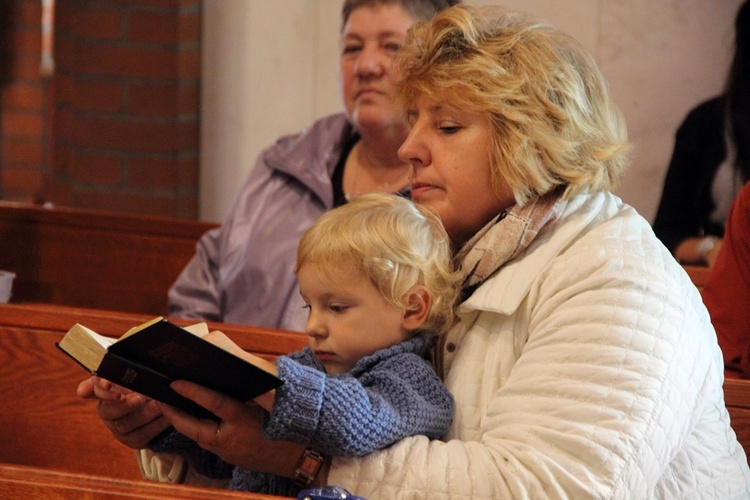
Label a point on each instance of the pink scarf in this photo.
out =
(498, 242)
(505, 237)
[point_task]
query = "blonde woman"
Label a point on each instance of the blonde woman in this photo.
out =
(242, 271)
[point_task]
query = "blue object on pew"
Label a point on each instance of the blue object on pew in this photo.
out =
(327, 493)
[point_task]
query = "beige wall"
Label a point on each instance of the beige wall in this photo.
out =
(270, 68)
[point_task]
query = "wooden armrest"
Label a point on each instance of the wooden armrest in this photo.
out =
(18, 481)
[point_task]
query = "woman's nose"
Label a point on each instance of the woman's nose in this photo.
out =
(413, 150)
(369, 64)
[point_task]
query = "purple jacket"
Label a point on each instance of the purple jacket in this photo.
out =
(243, 271)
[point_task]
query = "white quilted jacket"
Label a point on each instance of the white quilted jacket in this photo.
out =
(585, 368)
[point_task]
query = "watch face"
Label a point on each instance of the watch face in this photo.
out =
(308, 467)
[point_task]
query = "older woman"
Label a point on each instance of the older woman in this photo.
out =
(243, 272)
(583, 363)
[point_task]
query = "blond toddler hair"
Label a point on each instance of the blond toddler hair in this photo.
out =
(395, 243)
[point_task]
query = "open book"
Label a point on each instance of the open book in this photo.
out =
(149, 357)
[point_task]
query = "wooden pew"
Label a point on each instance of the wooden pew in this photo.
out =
(22, 482)
(737, 399)
(45, 425)
(736, 391)
(94, 259)
(43, 422)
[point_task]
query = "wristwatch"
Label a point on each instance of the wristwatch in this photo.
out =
(706, 245)
(308, 467)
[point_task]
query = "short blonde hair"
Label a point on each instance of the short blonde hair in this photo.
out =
(395, 244)
(553, 120)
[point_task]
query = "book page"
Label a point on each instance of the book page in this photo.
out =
(98, 337)
(85, 346)
(140, 327)
(198, 329)
(219, 339)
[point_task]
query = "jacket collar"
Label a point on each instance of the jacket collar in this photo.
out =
(312, 155)
(506, 237)
(504, 291)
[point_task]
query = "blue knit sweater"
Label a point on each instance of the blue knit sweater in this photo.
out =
(387, 396)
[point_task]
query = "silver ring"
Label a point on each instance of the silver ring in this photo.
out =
(218, 434)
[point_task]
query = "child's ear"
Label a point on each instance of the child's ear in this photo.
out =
(418, 302)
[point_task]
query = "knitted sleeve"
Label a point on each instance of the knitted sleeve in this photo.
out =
(345, 415)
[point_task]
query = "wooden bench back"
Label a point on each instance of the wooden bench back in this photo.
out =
(43, 422)
(94, 259)
(736, 391)
(737, 399)
(21, 482)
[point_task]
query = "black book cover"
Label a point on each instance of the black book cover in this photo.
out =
(144, 380)
(150, 359)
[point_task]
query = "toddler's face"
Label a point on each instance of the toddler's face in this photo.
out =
(348, 317)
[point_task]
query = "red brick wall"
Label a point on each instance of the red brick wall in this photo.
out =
(24, 110)
(124, 130)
